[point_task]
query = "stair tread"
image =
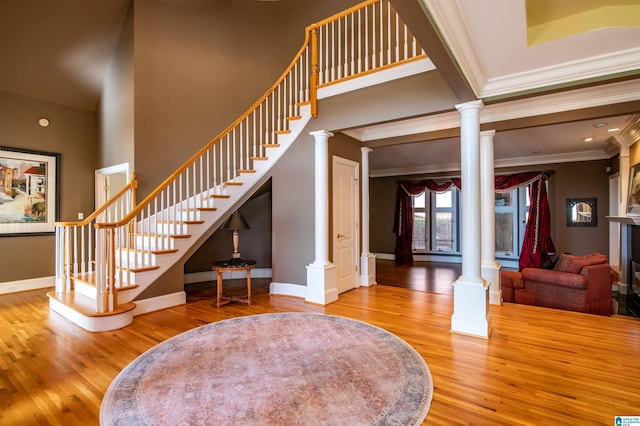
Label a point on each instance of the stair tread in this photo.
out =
(87, 306)
(90, 280)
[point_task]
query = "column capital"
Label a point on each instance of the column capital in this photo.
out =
(365, 150)
(319, 134)
(472, 105)
(487, 133)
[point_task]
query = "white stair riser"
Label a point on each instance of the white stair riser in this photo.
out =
(126, 258)
(159, 242)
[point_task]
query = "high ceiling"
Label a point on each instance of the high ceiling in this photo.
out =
(488, 40)
(60, 51)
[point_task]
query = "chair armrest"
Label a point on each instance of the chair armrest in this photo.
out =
(556, 278)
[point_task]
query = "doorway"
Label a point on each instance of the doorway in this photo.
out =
(346, 227)
(109, 181)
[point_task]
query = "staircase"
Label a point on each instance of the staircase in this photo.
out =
(104, 262)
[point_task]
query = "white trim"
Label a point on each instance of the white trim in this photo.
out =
(451, 23)
(568, 72)
(375, 78)
(198, 277)
(504, 262)
(93, 324)
(26, 285)
(505, 162)
(285, 289)
(589, 97)
(153, 304)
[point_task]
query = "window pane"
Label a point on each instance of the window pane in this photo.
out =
(444, 234)
(444, 199)
(503, 198)
(419, 231)
(504, 233)
(418, 201)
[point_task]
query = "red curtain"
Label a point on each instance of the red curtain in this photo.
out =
(403, 222)
(533, 253)
(537, 242)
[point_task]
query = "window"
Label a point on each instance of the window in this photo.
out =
(435, 222)
(444, 213)
(435, 218)
(512, 211)
(419, 222)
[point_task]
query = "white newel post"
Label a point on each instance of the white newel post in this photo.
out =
(470, 291)
(490, 268)
(321, 274)
(367, 259)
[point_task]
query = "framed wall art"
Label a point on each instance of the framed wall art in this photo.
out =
(633, 197)
(582, 212)
(29, 192)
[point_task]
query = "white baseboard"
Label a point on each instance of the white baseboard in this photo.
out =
(152, 304)
(198, 277)
(26, 285)
(284, 289)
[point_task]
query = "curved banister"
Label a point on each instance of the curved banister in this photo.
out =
(138, 208)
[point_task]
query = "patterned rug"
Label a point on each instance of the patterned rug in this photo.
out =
(274, 369)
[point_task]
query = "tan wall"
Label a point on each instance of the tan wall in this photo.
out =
(197, 70)
(72, 133)
(115, 111)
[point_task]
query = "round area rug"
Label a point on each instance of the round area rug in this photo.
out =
(274, 369)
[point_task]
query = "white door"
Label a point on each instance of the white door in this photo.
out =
(345, 222)
(109, 181)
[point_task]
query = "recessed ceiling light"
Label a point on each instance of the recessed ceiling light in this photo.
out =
(43, 122)
(587, 139)
(598, 125)
(613, 129)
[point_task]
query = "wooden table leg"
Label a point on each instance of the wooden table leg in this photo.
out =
(219, 280)
(248, 286)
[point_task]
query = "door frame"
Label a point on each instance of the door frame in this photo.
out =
(105, 172)
(356, 200)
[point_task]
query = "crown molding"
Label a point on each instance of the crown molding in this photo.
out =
(452, 26)
(606, 94)
(503, 163)
(615, 63)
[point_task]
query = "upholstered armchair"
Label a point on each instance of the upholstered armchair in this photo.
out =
(577, 283)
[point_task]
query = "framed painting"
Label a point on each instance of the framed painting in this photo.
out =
(633, 196)
(582, 212)
(29, 192)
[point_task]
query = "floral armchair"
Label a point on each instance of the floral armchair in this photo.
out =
(576, 283)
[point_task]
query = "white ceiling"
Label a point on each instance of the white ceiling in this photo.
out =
(489, 42)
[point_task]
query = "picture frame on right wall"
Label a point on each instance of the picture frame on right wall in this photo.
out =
(633, 197)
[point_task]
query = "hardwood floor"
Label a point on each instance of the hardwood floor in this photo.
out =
(540, 366)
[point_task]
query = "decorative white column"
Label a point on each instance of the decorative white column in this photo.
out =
(470, 291)
(321, 274)
(490, 268)
(367, 259)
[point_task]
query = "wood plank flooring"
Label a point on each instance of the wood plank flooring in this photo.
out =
(540, 366)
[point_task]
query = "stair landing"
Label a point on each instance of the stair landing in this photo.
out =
(81, 310)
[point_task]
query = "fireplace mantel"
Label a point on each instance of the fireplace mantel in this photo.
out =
(629, 220)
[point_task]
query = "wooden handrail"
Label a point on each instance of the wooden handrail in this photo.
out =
(344, 13)
(137, 209)
(309, 31)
